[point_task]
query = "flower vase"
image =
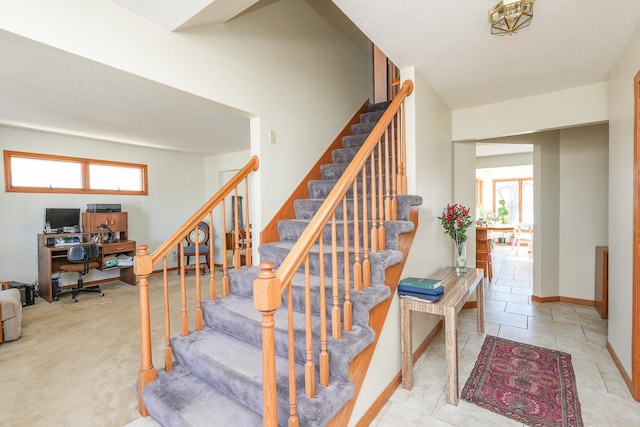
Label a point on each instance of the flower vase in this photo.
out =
(461, 258)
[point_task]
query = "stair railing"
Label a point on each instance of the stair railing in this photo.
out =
(145, 262)
(384, 154)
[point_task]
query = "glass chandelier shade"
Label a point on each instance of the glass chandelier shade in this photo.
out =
(509, 16)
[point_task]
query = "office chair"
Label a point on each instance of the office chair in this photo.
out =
(82, 259)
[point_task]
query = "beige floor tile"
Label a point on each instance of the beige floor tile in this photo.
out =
(403, 415)
(467, 414)
(529, 310)
(559, 328)
(588, 375)
(581, 349)
(504, 318)
(596, 333)
(494, 304)
(518, 283)
(540, 339)
(606, 409)
(508, 297)
(521, 291)
(500, 288)
(577, 318)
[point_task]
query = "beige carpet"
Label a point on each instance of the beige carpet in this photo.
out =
(76, 363)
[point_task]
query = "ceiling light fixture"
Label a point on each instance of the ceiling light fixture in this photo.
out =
(509, 16)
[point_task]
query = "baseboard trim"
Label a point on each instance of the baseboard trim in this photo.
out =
(563, 299)
(384, 397)
(623, 373)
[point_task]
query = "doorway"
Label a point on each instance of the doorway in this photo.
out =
(635, 331)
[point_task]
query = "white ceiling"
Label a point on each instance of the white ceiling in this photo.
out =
(569, 43)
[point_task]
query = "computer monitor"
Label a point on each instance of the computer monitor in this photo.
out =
(61, 218)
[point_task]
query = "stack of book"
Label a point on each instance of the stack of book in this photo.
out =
(421, 288)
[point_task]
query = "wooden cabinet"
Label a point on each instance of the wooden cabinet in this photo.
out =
(116, 221)
(601, 301)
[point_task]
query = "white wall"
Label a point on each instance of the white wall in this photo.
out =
(217, 169)
(584, 182)
(176, 189)
(282, 62)
(621, 200)
(553, 110)
(430, 172)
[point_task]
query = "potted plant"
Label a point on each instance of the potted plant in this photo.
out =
(502, 213)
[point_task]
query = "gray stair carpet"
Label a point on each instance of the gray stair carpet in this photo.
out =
(217, 377)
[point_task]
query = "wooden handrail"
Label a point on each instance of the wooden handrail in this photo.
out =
(304, 243)
(386, 180)
(143, 267)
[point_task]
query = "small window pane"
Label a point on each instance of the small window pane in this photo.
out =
(119, 178)
(45, 173)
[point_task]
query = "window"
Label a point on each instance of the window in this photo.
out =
(479, 190)
(45, 173)
(518, 195)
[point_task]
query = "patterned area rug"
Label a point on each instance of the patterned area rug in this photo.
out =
(529, 384)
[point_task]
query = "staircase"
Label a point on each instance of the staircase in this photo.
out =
(218, 375)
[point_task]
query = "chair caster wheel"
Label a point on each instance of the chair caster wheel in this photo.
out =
(56, 298)
(101, 294)
(74, 300)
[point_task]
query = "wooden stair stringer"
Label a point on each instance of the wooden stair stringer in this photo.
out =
(359, 367)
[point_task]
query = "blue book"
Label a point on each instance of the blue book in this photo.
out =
(419, 295)
(420, 283)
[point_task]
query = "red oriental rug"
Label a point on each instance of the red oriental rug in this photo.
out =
(529, 384)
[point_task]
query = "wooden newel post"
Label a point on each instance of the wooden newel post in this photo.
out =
(266, 298)
(143, 267)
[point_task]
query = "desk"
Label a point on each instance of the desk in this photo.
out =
(457, 291)
(51, 257)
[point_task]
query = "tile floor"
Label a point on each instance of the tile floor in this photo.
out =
(509, 313)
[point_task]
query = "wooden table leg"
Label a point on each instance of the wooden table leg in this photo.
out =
(407, 357)
(480, 303)
(451, 354)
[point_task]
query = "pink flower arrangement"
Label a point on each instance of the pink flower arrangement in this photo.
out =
(455, 220)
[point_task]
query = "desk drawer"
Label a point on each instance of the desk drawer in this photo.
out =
(116, 248)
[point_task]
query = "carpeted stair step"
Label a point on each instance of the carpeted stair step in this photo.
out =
(307, 208)
(355, 140)
(320, 188)
(290, 230)
(234, 367)
(335, 170)
(380, 261)
(241, 284)
(366, 127)
(345, 155)
(378, 106)
(371, 116)
(237, 316)
(180, 399)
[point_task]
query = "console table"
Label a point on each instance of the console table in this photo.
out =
(457, 291)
